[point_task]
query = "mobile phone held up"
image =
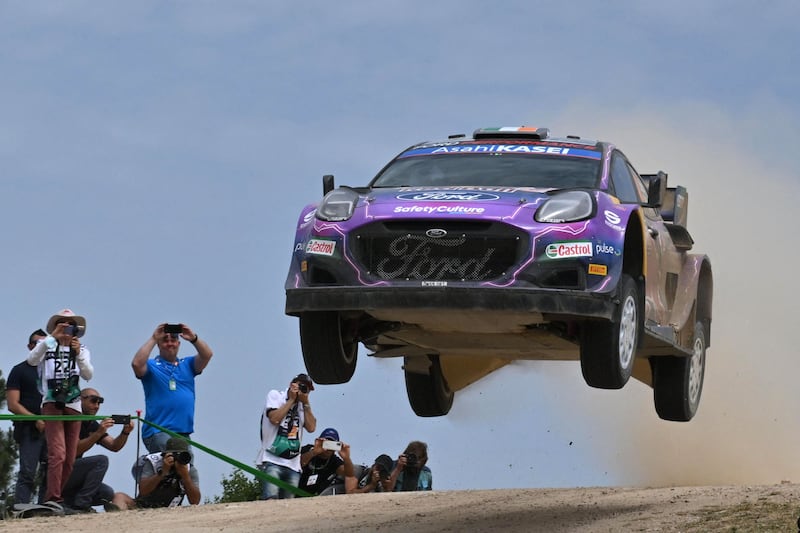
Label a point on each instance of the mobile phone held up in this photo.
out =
(173, 328)
(334, 445)
(121, 419)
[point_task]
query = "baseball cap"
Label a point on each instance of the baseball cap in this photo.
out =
(175, 444)
(384, 464)
(305, 379)
(329, 434)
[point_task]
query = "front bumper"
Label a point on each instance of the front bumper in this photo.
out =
(561, 303)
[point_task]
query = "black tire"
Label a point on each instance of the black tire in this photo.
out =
(429, 394)
(678, 381)
(329, 347)
(608, 349)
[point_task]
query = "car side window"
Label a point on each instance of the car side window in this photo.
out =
(622, 180)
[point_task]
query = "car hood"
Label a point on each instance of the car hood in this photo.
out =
(453, 201)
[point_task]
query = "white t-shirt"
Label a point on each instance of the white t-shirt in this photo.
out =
(274, 438)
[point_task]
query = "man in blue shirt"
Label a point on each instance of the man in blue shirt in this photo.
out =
(168, 382)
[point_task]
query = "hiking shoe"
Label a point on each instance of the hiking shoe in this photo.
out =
(77, 510)
(55, 506)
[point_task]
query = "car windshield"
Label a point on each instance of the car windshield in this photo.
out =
(500, 170)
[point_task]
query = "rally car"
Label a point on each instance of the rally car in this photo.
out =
(463, 255)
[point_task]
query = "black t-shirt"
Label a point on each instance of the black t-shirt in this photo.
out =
(87, 428)
(319, 473)
(25, 378)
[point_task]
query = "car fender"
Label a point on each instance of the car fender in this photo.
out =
(690, 300)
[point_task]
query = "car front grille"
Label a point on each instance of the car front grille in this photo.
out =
(438, 251)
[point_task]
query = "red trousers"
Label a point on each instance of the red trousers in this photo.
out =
(62, 447)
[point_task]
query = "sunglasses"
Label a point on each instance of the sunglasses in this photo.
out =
(94, 399)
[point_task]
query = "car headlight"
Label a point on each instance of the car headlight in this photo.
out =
(565, 207)
(338, 205)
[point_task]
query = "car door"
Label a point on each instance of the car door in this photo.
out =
(629, 188)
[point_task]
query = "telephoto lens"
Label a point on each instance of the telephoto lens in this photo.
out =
(183, 458)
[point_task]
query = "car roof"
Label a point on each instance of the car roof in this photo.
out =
(513, 134)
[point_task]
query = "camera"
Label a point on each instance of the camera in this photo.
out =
(183, 457)
(64, 390)
(75, 331)
(334, 445)
(173, 328)
(411, 460)
(303, 386)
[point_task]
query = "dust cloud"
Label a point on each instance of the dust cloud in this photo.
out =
(743, 215)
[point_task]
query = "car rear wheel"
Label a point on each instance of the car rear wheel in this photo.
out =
(678, 381)
(429, 394)
(329, 347)
(608, 348)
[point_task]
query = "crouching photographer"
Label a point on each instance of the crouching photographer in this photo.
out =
(373, 479)
(166, 477)
(410, 472)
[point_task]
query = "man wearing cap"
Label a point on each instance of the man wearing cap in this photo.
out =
(168, 382)
(165, 478)
(374, 479)
(61, 360)
(283, 419)
(321, 464)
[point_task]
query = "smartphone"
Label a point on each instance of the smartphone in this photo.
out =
(121, 419)
(173, 328)
(334, 445)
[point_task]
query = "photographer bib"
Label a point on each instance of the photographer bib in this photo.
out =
(286, 443)
(61, 376)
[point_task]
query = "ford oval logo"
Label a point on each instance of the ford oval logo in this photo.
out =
(448, 196)
(436, 233)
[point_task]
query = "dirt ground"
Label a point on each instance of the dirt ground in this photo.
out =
(688, 509)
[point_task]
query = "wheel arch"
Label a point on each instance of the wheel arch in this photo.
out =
(634, 260)
(705, 297)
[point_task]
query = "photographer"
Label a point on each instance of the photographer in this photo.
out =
(168, 382)
(85, 488)
(283, 419)
(321, 464)
(167, 477)
(374, 479)
(410, 472)
(61, 362)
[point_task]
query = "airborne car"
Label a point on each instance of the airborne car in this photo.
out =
(463, 255)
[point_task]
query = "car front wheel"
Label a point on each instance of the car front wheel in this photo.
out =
(608, 348)
(329, 347)
(678, 381)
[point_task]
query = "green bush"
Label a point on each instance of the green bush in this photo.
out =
(238, 488)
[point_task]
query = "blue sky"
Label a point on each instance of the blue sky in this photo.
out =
(155, 157)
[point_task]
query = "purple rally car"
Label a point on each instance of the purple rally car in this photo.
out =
(463, 255)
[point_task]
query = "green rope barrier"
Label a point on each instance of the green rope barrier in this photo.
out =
(255, 471)
(247, 468)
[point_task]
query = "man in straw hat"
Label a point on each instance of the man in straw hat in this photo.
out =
(61, 360)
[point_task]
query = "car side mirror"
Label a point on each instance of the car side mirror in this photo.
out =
(327, 184)
(656, 189)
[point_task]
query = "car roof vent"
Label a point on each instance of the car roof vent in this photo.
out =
(456, 136)
(511, 132)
